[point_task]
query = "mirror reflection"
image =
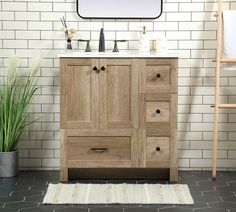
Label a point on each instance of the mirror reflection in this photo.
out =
(119, 8)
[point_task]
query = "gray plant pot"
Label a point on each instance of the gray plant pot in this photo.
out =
(8, 164)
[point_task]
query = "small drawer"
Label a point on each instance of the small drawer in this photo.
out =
(158, 154)
(157, 111)
(158, 78)
(99, 148)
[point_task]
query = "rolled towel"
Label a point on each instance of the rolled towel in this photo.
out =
(229, 42)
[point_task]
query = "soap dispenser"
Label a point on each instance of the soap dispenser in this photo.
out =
(101, 47)
(144, 42)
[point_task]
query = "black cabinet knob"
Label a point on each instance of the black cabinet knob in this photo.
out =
(158, 76)
(158, 149)
(95, 68)
(158, 111)
(103, 68)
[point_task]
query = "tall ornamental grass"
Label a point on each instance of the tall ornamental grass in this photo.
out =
(16, 93)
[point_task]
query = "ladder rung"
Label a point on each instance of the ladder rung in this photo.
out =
(225, 105)
(228, 60)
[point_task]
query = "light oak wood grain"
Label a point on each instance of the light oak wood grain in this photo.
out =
(157, 97)
(158, 129)
(80, 95)
(115, 108)
(157, 111)
(99, 164)
(119, 93)
(159, 164)
(142, 148)
(174, 76)
(156, 75)
(99, 148)
(134, 149)
(64, 158)
(62, 93)
(157, 79)
(99, 132)
(163, 155)
(173, 138)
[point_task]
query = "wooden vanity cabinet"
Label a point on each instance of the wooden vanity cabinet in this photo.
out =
(118, 112)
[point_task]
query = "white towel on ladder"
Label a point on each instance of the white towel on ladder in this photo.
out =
(229, 42)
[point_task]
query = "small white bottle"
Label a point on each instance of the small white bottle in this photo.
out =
(161, 45)
(144, 42)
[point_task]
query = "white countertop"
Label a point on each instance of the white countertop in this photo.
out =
(128, 54)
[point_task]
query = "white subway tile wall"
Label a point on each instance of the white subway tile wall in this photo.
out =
(33, 26)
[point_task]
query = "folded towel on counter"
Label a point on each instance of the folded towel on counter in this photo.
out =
(229, 42)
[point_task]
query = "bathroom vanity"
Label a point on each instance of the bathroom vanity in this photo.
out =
(118, 110)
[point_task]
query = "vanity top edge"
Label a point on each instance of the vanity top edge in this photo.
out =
(116, 55)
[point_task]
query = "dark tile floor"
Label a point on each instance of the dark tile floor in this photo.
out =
(25, 194)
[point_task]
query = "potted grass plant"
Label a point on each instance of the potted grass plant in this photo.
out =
(16, 93)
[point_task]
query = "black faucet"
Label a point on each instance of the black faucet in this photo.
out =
(88, 49)
(101, 47)
(115, 49)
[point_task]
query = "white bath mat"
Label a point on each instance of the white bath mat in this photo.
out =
(118, 194)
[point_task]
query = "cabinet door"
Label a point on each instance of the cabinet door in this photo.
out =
(119, 93)
(79, 93)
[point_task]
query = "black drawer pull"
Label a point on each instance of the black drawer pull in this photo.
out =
(103, 68)
(158, 149)
(158, 111)
(99, 149)
(158, 76)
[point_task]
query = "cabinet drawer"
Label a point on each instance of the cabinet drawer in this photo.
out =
(99, 148)
(157, 111)
(158, 78)
(158, 151)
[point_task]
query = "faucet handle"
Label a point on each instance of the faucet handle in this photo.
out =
(121, 40)
(115, 49)
(88, 49)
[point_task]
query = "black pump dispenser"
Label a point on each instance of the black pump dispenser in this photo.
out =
(101, 47)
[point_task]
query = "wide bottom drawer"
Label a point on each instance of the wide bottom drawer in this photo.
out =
(99, 148)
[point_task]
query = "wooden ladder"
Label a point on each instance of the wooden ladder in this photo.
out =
(217, 106)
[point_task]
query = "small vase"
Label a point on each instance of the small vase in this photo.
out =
(8, 164)
(68, 45)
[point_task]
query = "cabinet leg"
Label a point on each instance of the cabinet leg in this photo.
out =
(173, 174)
(64, 174)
